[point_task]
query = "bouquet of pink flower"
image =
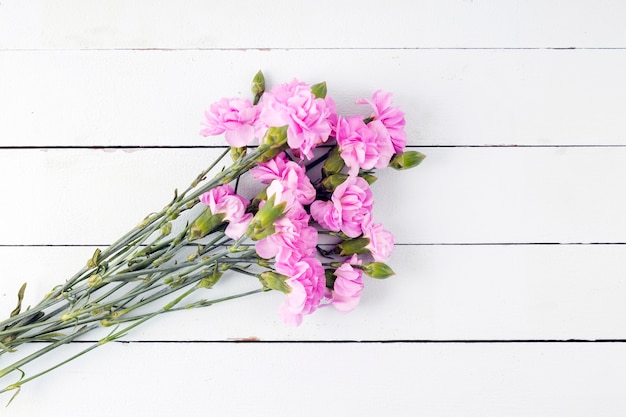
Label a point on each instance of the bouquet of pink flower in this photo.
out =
(308, 232)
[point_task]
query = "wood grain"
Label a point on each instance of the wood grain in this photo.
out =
(508, 298)
(458, 195)
(451, 97)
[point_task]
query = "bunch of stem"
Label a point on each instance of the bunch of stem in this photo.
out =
(122, 285)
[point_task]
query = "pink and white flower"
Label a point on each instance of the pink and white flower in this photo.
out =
(391, 117)
(292, 240)
(346, 292)
(306, 117)
(363, 145)
(236, 117)
(307, 282)
(223, 200)
(290, 174)
(351, 203)
(381, 241)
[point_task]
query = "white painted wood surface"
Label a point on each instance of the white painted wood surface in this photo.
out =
(506, 253)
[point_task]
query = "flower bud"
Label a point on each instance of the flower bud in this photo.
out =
(166, 229)
(107, 322)
(94, 280)
(205, 224)
(210, 280)
(333, 181)
(274, 281)
(353, 246)
(274, 142)
(377, 270)
(174, 281)
(258, 86)
(319, 90)
(95, 259)
(370, 178)
(334, 162)
(238, 153)
(406, 160)
(262, 224)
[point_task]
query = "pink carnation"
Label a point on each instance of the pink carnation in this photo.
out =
(292, 240)
(306, 116)
(291, 175)
(307, 282)
(346, 291)
(391, 117)
(223, 200)
(235, 116)
(381, 241)
(363, 145)
(351, 203)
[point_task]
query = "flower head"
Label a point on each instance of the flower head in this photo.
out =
(307, 282)
(346, 291)
(381, 241)
(234, 116)
(291, 175)
(363, 145)
(292, 240)
(351, 203)
(223, 200)
(391, 117)
(306, 117)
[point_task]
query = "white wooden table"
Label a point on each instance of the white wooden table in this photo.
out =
(510, 294)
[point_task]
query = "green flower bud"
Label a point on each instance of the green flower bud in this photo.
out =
(237, 153)
(174, 281)
(334, 162)
(210, 280)
(377, 270)
(166, 229)
(258, 86)
(370, 178)
(273, 142)
(95, 259)
(353, 246)
(274, 281)
(94, 280)
(319, 90)
(333, 181)
(262, 224)
(205, 224)
(406, 160)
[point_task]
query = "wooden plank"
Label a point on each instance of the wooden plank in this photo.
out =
(348, 379)
(458, 195)
(328, 24)
(451, 97)
(466, 292)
